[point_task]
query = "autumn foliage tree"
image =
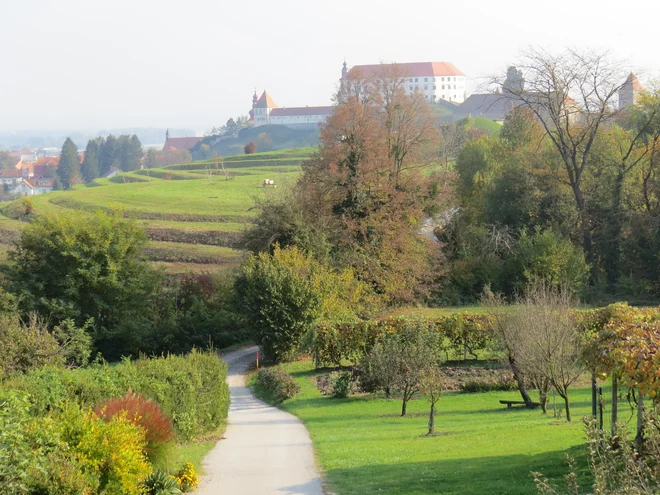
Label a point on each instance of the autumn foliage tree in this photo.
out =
(370, 181)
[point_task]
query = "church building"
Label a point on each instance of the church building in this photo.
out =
(266, 112)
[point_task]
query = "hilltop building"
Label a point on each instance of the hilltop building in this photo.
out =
(497, 105)
(435, 80)
(630, 92)
(180, 143)
(266, 112)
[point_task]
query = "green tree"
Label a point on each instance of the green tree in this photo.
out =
(108, 149)
(68, 171)
(90, 165)
(6, 161)
(86, 267)
(129, 154)
(279, 299)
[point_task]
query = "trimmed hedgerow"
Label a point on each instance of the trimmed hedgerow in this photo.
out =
(190, 389)
(463, 336)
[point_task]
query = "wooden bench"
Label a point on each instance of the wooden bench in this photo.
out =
(510, 403)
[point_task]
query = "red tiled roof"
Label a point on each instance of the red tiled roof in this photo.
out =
(181, 143)
(296, 111)
(10, 174)
(265, 101)
(39, 182)
(49, 160)
(415, 69)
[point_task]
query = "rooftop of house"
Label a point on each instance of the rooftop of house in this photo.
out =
(39, 182)
(10, 174)
(414, 69)
(181, 143)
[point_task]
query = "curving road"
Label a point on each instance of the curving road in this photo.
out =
(264, 450)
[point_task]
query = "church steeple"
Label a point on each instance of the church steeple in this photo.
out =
(344, 70)
(255, 98)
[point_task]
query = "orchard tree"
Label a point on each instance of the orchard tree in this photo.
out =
(432, 384)
(68, 170)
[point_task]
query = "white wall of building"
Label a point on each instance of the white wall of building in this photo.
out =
(298, 119)
(449, 88)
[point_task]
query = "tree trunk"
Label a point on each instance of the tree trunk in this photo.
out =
(612, 255)
(432, 419)
(568, 406)
(543, 399)
(404, 406)
(520, 382)
(615, 402)
(639, 439)
(594, 397)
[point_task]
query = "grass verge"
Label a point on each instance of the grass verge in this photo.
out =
(365, 447)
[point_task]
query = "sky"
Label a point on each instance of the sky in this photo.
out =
(88, 64)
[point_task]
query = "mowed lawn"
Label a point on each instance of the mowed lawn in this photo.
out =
(365, 447)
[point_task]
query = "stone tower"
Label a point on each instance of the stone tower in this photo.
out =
(630, 91)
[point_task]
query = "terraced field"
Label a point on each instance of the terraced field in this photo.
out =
(193, 213)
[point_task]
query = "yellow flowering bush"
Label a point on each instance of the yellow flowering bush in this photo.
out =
(187, 478)
(114, 449)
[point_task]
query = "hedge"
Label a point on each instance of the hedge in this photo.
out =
(462, 334)
(191, 389)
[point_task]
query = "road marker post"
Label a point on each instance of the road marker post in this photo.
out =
(257, 359)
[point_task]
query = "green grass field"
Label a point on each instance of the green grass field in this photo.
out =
(192, 213)
(365, 447)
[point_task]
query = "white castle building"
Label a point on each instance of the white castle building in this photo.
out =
(435, 80)
(265, 111)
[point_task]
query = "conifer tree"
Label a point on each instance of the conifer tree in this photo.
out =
(90, 165)
(68, 171)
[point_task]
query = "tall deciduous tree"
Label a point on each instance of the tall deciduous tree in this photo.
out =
(68, 170)
(572, 96)
(368, 180)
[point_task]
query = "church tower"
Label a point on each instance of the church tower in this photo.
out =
(262, 109)
(344, 70)
(629, 92)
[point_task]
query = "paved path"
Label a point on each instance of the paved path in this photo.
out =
(264, 450)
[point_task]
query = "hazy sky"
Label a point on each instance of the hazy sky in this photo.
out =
(83, 64)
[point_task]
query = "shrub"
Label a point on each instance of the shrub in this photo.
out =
(147, 415)
(187, 478)
(190, 389)
(114, 449)
(341, 384)
(161, 483)
(502, 384)
(70, 452)
(26, 346)
(250, 148)
(278, 384)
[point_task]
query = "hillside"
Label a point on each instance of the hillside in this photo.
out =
(267, 138)
(193, 213)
